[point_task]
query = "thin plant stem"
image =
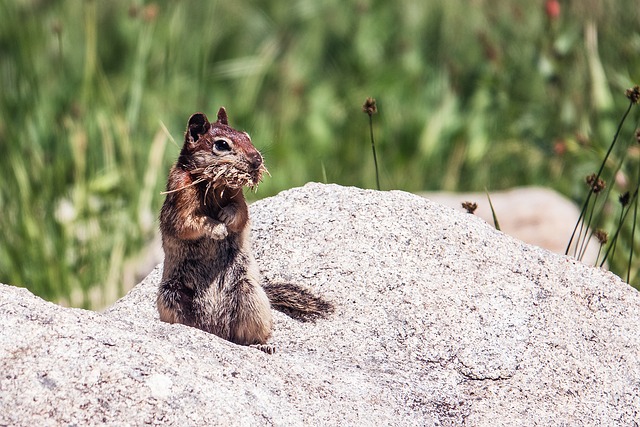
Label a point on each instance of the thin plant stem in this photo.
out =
(371, 108)
(633, 235)
(373, 148)
(635, 217)
(585, 245)
(579, 223)
(582, 247)
(608, 190)
(615, 236)
(615, 241)
(598, 256)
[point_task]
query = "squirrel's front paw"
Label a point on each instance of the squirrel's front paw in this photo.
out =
(217, 230)
(228, 214)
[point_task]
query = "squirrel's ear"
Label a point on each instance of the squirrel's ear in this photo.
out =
(222, 116)
(198, 125)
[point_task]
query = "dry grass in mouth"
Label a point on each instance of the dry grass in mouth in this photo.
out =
(228, 176)
(224, 176)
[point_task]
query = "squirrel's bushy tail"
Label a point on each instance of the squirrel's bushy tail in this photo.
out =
(296, 301)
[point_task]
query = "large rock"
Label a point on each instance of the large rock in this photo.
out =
(440, 320)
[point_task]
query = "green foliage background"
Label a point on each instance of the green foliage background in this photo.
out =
(471, 95)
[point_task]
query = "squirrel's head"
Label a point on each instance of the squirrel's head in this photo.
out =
(219, 154)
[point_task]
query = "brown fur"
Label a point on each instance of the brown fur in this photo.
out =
(210, 279)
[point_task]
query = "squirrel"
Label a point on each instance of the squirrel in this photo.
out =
(210, 279)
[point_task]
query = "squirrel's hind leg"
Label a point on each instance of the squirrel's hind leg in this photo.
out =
(175, 303)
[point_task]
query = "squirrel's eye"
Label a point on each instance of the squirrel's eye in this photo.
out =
(221, 145)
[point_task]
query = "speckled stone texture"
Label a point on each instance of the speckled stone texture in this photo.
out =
(440, 320)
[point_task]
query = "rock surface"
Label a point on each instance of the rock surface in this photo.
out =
(535, 215)
(441, 320)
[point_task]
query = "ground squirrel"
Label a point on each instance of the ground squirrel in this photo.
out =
(210, 279)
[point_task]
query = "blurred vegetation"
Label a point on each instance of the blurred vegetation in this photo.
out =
(471, 95)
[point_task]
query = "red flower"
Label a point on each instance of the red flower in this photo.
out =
(552, 8)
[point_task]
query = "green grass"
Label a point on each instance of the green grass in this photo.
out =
(471, 95)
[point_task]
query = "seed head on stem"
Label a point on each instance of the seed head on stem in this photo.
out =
(470, 206)
(370, 108)
(633, 94)
(596, 184)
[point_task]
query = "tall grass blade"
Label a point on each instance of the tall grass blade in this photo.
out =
(493, 212)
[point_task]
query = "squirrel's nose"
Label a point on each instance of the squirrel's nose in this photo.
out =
(255, 159)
